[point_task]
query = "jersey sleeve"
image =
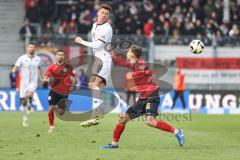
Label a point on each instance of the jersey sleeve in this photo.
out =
(49, 71)
(120, 60)
(19, 62)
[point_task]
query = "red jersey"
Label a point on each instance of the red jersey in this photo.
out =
(144, 78)
(60, 77)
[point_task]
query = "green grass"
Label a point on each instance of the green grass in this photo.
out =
(207, 137)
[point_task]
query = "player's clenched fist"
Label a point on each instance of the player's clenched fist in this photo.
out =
(78, 40)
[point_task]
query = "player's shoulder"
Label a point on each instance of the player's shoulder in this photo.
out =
(107, 26)
(24, 56)
(52, 66)
(37, 58)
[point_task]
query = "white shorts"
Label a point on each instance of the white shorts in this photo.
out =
(102, 68)
(24, 90)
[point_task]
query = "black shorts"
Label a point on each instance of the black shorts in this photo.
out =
(54, 98)
(148, 107)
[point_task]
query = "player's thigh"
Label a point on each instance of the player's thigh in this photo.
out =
(52, 98)
(136, 110)
(151, 108)
(103, 71)
(97, 81)
(23, 92)
(30, 93)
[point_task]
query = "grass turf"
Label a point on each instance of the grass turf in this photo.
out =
(208, 137)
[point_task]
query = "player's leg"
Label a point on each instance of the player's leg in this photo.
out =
(52, 100)
(23, 96)
(96, 84)
(30, 98)
(152, 112)
(132, 113)
(24, 111)
(51, 118)
(118, 130)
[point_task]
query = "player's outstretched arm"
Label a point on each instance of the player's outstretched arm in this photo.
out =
(96, 45)
(119, 59)
(14, 69)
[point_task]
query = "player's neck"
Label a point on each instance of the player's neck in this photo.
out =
(60, 63)
(30, 55)
(101, 23)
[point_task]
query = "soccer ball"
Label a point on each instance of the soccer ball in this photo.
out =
(196, 46)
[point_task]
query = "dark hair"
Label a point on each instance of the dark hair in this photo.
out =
(105, 6)
(59, 50)
(137, 50)
(32, 43)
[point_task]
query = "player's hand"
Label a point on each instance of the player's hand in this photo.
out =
(78, 40)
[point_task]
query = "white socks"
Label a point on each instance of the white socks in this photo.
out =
(114, 143)
(175, 131)
(24, 112)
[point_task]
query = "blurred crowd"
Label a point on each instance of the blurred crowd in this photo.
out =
(138, 17)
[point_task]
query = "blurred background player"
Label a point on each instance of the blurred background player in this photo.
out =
(101, 34)
(179, 87)
(30, 68)
(61, 80)
(148, 100)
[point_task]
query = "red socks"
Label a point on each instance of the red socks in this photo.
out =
(119, 128)
(164, 126)
(51, 118)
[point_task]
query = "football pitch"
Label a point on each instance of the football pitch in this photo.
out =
(207, 137)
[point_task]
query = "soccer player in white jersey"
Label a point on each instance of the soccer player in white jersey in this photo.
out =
(101, 35)
(30, 68)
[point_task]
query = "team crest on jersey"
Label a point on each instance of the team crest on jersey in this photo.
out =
(65, 70)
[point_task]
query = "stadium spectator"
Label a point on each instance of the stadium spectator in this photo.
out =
(234, 31)
(48, 33)
(85, 22)
(62, 30)
(32, 13)
(148, 28)
(171, 18)
(27, 30)
(46, 8)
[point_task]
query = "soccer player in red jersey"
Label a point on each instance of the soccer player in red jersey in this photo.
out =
(145, 84)
(61, 80)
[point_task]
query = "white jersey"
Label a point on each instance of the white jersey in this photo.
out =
(102, 33)
(29, 72)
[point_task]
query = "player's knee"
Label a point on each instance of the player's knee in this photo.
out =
(92, 85)
(123, 118)
(51, 109)
(24, 102)
(151, 121)
(30, 94)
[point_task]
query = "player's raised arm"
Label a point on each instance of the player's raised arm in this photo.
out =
(95, 44)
